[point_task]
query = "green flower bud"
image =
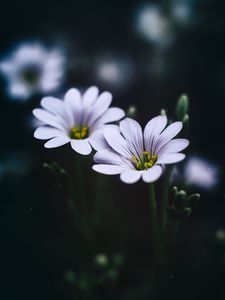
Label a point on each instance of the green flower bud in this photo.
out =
(187, 212)
(220, 236)
(163, 112)
(117, 260)
(182, 107)
(180, 199)
(101, 260)
(112, 274)
(193, 200)
(70, 277)
(131, 111)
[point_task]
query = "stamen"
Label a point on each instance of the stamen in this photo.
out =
(79, 133)
(145, 161)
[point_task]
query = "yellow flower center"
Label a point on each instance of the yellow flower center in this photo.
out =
(145, 161)
(79, 133)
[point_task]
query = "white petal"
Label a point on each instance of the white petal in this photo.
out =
(48, 118)
(19, 90)
(57, 142)
(173, 146)
(81, 146)
(8, 67)
(108, 169)
(152, 174)
(130, 176)
(45, 133)
(117, 142)
(73, 104)
(90, 96)
(111, 115)
(132, 132)
(152, 130)
(101, 105)
(171, 158)
(109, 157)
(98, 141)
(168, 134)
(53, 105)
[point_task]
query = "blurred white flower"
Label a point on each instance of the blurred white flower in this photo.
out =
(133, 153)
(182, 11)
(78, 119)
(32, 68)
(154, 25)
(114, 72)
(201, 173)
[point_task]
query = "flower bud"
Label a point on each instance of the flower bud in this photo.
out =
(182, 107)
(193, 200)
(163, 112)
(101, 260)
(131, 111)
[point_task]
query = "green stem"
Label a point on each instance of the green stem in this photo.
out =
(98, 199)
(154, 222)
(164, 204)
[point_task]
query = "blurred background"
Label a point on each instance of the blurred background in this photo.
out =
(147, 53)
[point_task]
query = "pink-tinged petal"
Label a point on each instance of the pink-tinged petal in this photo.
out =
(132, 132)
(173, 146)
(171, 158)
(152, 130)
(100, 107)
(118, 143)
(90, 96)
(57, 142)
(73, 105)
(130, 176)
(111, 115)
(108, 169)
(168, 134)
(152, 174)
(49, 119)
(81, 146)
(45, 133)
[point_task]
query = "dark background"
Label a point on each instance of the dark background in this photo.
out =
(37, 240)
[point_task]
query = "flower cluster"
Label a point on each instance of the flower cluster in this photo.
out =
(83, 121)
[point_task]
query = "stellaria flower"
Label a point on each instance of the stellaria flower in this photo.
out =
(32, 68)
(78, 119)
(134, 154)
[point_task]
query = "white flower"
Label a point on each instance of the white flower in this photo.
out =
(77, 119)
(153, 25)
(134, 154)
(31, 68)
(201, 173)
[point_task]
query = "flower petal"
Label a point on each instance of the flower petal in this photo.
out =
(45, 133)
(108, 169)
(152, 174)
(117, 142)
(132, 132)
(48, 118)
(90, 96)
(81, 146)
(53, 105)
(173, 146)
(111, 115)
(168, 134)
(171, 158)
(100, 106)
(57, 142)
(152, 130)
(73, 105)
(130, 176)
(107, 156)
(97, 139)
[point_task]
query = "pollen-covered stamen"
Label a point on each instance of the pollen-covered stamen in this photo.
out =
(79, 133)
(145, 161)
